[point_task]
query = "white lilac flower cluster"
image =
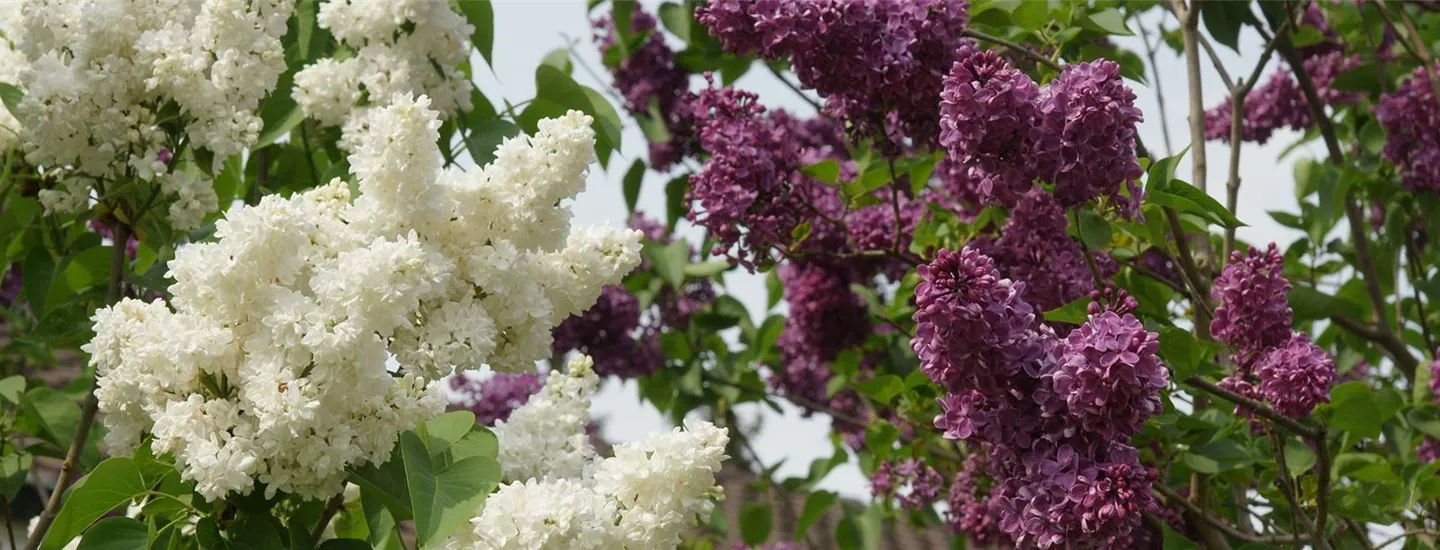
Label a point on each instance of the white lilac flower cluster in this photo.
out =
(103, 76)
(559, 495)
(272, 367)
(399, 46)
(13, 67)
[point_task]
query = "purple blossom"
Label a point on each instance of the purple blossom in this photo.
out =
(972, 326)
(1280, 103)
(10, 285)
(910, 481)
(751, 192)
(132, 245)
(649, 79)
(1109, 375)
(1411, 117)
(874, 228)
(1034, 247)
(1428, 450)
(495, 397)
(968, 513)
(1296, 376)
(873, 62)
(1096, 150)
(1252, 312)
(825, 318)
(989, 123)
(607, 333)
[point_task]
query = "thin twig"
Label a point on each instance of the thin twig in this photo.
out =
(1238, 93)
(1298, 519)
(332, 507)
(1017, 48)
(1171, 496)
(70, 466)
(1199, 289)
(793, 87)
(1407, 534)
(1360, 533)
(1387, 341)
(1150, 50)
(1260, 409)
(1417, 273)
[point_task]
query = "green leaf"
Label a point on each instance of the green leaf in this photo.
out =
(345, 544)
(1176, 541)
(481, 14)
(88, 268)
(479, 442)
(631, 186)
(13, 471)
(669, 260)
(1076, 312)
(767, 335)
(1223, 20)
(774, 289)
(116, 534)
(49, 414)
(827, 170)
(560, 59)
(1187, 198)
(1425, 419)
(556, 93)
(1360, 410)
(11, 95)
(110, 485)
(882, 388)
(1109, 21)
(755, 522)
(448, 428)
(39, 273)
(443, 497)
(255, 533)
(1163, 170)
(1298, 457)
(1094, 230)
(707, 269)
(1031, 15)
(271, 134)
(1219, 456)
(1309, 304)
(1180, 351)
(816, 504)
(385, 483)
(486, 136)
(11, 388)
(675, 205)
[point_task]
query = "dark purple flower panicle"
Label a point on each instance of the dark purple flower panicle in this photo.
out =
(874, 228)
(1252, 312)
(969, 514)
(751, 194)
(872, 62)
(1109, 375)
(990, 124)
(1296, 376)
(1411, 117)
(1034, 247)
(10, 285)
(910, 481)
(972, 326)
(495, 397)
(1096, 154)
(825, 318)
(1428, 450)
(607, 332)
(653, 86)
(1280, 103)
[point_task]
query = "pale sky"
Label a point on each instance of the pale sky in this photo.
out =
(525, 31)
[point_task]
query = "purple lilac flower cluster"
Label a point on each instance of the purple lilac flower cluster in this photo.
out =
(607, 333)
(649, 79)
(969, 514)
(1252, 313)
(495, 397)
(751, 192)
(1065, 477)
(1280, 103)
(825, 318)
(1078, 132)
(911, 482)
(1411, 117)
(1253, 316)
(877, 64)
(10, 285)
(1034, 247)
(1429, 448)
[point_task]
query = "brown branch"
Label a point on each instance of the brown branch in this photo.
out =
(1387, 341)
(70, 466)
(1238, 93)
(1170, 496)
(332, 507)
(1260, 409)
(1150, 50)
(1199, 289)
(1287, 487)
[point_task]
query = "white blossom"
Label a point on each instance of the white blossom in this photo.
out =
(399, 47)
(101, 78)
(272, 365)
(558, 494)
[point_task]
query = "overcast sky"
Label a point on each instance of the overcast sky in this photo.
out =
(525, 31)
